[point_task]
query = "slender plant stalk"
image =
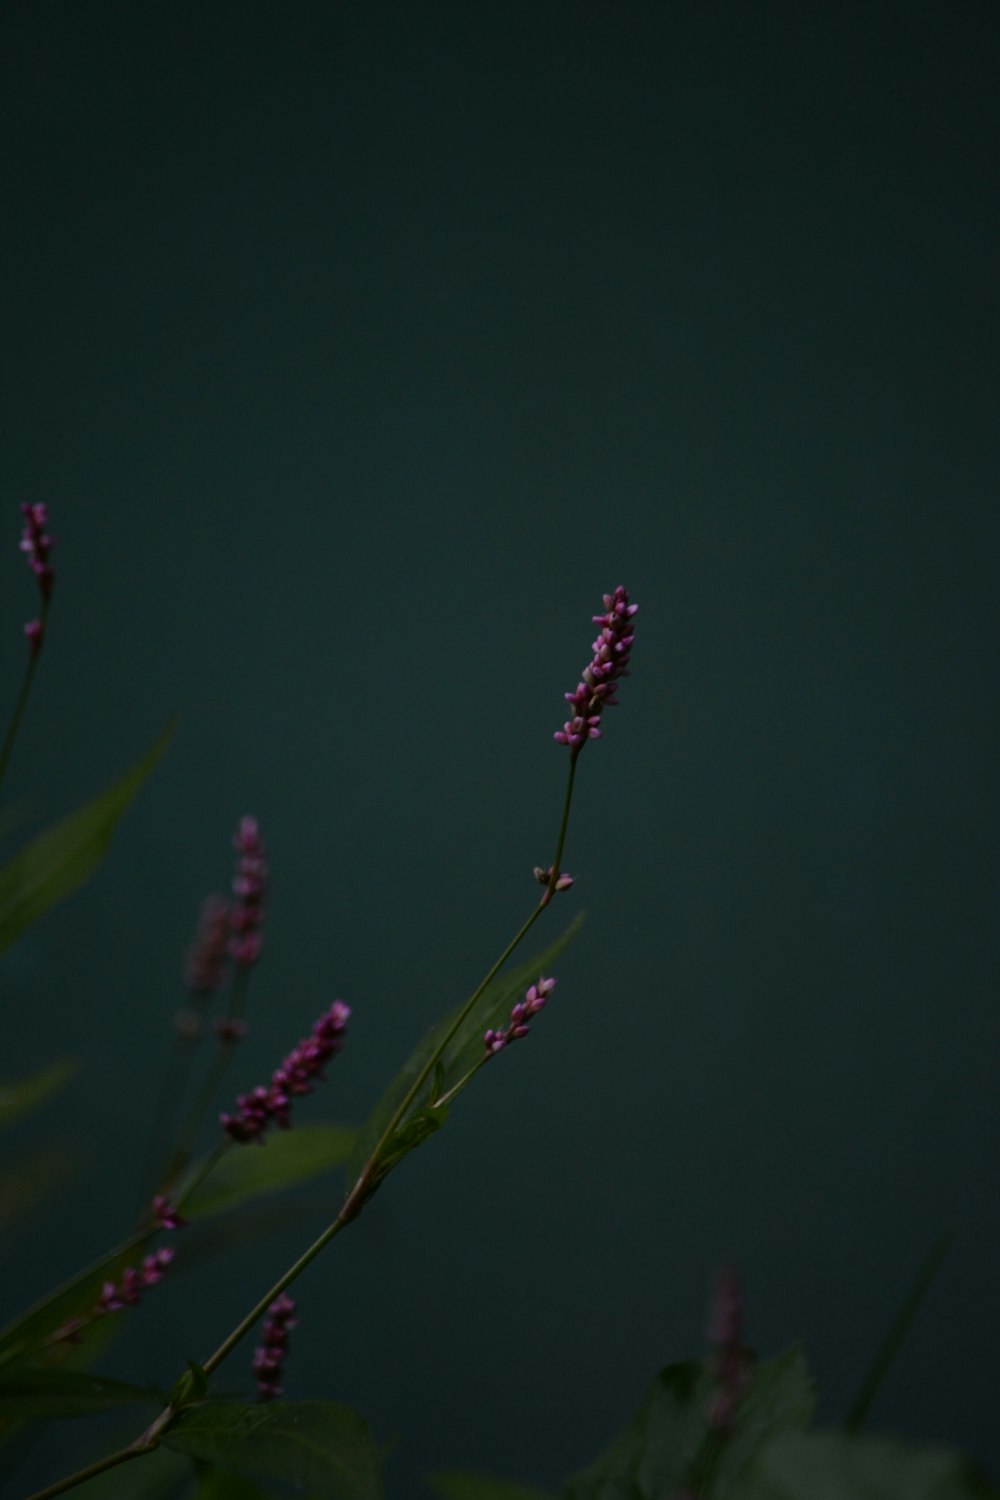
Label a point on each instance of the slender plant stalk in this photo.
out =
(353, 1203)
(898, 1329)
(22, 697)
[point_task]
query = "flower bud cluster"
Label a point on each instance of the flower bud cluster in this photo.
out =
(165, 1214)
(296, 1076)
(534, 999)
(563, 881)
(127, 1292)
(36, 544)
(249, 886)
(596, 691)
(270, 1355)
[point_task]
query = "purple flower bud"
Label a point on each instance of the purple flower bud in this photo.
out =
(269, 1358)
(166, 1215)
(296, 1076)
(534, 1000)
(36, 544)
(563, 881)
(596, 691)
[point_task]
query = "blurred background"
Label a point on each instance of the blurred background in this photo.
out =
(357, 350)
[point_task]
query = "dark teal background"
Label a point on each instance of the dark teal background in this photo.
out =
(358, 348)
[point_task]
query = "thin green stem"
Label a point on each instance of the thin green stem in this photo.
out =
(898, 1329)
(102, 1465)
(23, 696)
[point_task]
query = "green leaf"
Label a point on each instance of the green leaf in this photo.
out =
(462, 1052)
(320, 1446)
(216, 1484)
(56, 862)
(856, 1466)
(38, 1176)
(287, 1157)
(30, 1392)
(21, 1096)
(464, 1485)
(671, 1439)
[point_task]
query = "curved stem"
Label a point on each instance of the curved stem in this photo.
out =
(111, 1461)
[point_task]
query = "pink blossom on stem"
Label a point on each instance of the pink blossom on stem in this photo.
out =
(296, 1076)
(249, 887)
(134, 1281)
(534, 999)
(36, 544)
(165, 1215)
(269, 1357)
(596, 691)
(563, 881)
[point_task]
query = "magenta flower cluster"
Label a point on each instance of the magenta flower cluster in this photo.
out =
(165, 1214)
(596, 691)
(249, 886)
(295, 1077)
(534, 999)
(36, 544)
(270, 1355)
(127, 1292)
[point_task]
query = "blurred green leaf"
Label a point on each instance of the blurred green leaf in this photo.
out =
(36, 1178)
(463, 1051)
(455, 1485)
(670, 1438)
(21, 1096)
(287, 1157)
(56, 862)
(857, 1466)
(216, 1484)
(31, 1392)
(322, 1447)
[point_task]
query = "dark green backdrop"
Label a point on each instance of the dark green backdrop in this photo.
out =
(358, 348)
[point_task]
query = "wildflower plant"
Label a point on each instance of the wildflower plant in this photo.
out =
(707, 1428)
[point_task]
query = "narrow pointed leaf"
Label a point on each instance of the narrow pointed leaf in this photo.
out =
(323, 1448)
(68, 1393)
(37, 1177)
(22, 1096)
(671, 1441)
(58, 861)
(492, 1009)
(855, 1466)
(216, 1484)
(469, 1486)
(286, 1158)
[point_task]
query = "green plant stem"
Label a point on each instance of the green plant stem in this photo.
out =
(352, 1204)
(111, 1461)
(898, 1329)
(23, 696)
(188, 1133)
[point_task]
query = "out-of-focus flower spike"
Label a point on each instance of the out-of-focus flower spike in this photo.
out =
(725, 1331)
(206, 959)
(249, 888)
(269, 1358)
(36, 544)
(165, 1215)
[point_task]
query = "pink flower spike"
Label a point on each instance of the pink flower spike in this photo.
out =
(33, 631)
(205, 961)
(296, 1076)
(534, 1000)
(269, 1358)
(596, 691)
(36, 544)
